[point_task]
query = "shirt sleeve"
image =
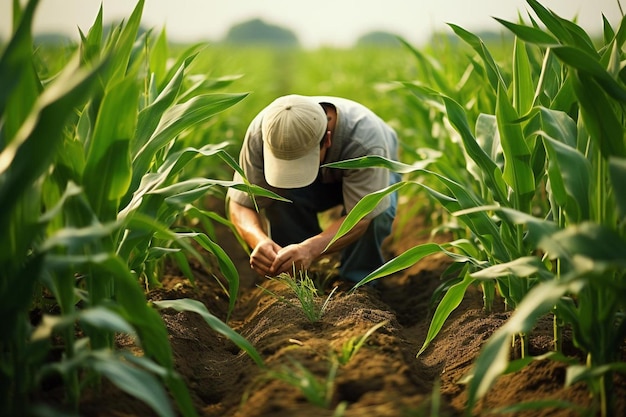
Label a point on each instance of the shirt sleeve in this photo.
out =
(358, 183)
(251, 161)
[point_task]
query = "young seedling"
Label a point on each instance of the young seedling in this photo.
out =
(350, 347)
(306, 292)
(316, 391)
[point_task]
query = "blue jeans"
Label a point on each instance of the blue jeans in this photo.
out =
(294, 222)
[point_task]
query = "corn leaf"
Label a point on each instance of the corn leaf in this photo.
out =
(136, 382)
(107, 170)
(491, 172)
(538, 229)
(30, 153)
(195, 306)
(479, 222)
(542, 405)
(226, 267)
(91, 44)
(380, 161)
(494, 357)
(567, 32)
(174, 121)
(570, 176)
(451, 300)
(149, 117)
(617, 167)
(405, 260)
(362, 209)
(429, 69)
(580, 373)
(530, 34)
(20, 83)
(494, 75)
(121, 46)
(130, 296)
(518, 171)
(522, 78)
(186, 57)
(526, 266)
(590, 65)
(599, 117)
(587, 240)
(159, 56)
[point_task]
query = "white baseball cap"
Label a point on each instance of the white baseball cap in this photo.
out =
(292, 128)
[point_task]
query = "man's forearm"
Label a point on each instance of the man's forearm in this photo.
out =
(318, 243)
(248, 223)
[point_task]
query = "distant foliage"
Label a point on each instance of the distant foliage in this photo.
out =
(379, 38)
(258, 32)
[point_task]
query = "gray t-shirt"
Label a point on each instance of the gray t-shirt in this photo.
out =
(358, 132)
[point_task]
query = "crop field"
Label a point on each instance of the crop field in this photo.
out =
(126, 291)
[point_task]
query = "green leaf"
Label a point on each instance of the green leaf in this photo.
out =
(522, 84)
(566, 31)
(523, 267)
(599, 117)
(28, 156)
(122, 46)
(380, 161)
(216, 324)
(130, 296)
(105, 319)
(493, 71)
(226, 266)
(148, 118)
(20, 83)
(558, 124)
(488, 138)
(586, 242)
(570, 175)
(617, 170)
(430, 68)
(136, 382)
(590, 65)
(490, 171)
(542, 405)
(538, 229)
(91, 44)
(518, 171)
(578, 373)
(530, 34)
(494, 357)
(107, 170)
(402, 261)
(174, 121)
(159, 55)
(484, 227)
(451, 300)
(362, 209)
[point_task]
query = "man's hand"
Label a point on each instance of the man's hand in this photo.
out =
(263, 256)
(298, 255)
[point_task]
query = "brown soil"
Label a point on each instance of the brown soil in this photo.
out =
(383, 379)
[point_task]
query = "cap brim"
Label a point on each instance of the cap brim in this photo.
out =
(293, 173)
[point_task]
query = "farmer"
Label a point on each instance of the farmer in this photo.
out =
(282, 151)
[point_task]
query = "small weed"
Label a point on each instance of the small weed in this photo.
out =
(350, 347)
(316, 391)
(305, 290)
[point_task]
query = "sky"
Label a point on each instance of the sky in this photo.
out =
(316, 23)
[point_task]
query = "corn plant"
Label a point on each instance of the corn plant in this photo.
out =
(586, 240)
(559, 131)
(94, 196)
